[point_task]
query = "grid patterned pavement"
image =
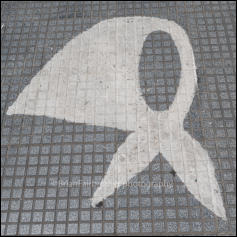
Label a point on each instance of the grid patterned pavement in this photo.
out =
(37, 151)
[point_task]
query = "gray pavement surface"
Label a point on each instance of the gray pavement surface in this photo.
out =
(38, 150)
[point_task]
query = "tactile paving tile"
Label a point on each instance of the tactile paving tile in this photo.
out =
(36, 151)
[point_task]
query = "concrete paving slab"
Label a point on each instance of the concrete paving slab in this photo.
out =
(49, 163)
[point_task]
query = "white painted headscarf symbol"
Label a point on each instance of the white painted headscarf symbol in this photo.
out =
(94, 79)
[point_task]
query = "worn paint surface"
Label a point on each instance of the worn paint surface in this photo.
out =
(95, 80)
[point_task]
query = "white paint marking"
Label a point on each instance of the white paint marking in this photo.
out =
(104, 64)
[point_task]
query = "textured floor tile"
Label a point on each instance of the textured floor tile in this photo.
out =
(47, 162)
